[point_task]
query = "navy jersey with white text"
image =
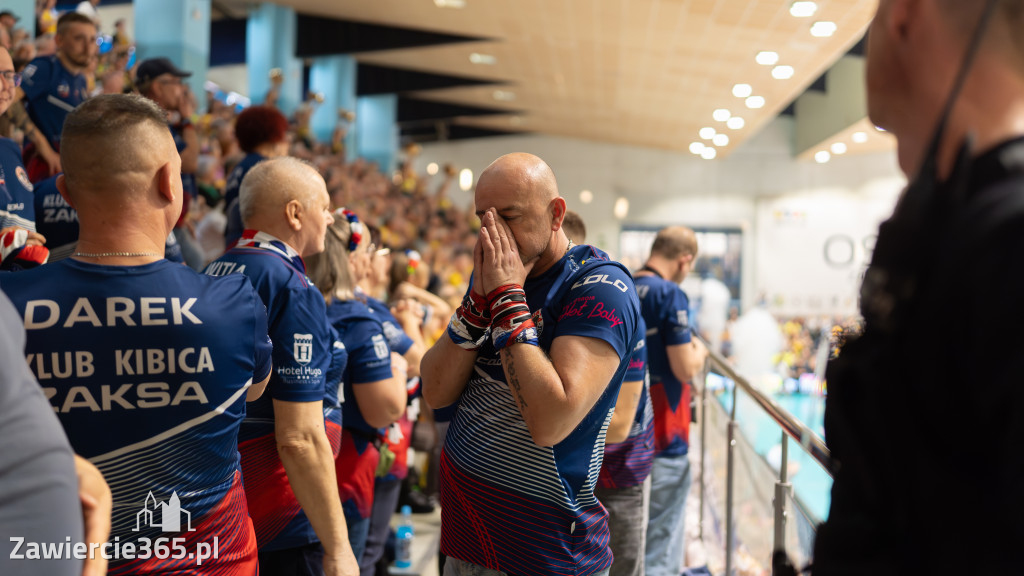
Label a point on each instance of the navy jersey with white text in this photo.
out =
(629, 462)
(369, 361)
(51, 93)
(148, 370)
(303, 344)
(666, 311)
(17, 207)
(55, 219)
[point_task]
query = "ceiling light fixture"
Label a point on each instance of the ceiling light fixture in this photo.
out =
(721, 115)
(709, 153)
(586, 196)
(696, 148)
(839, 148)
(823, 29)
(466, 179)
(432, 168)
(720, 140)
(621, 209)
(742, 90)
(707, 133)
(736, 123)
(799, 9)
(783, 72)
(822, 156)
(859, 137)
(755, 102)
(504, 95)
(450, 3)
(767, 58)
(487, 59)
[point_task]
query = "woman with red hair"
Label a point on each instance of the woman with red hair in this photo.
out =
(262, 133)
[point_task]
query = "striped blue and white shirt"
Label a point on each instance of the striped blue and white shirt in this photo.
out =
(513, 506)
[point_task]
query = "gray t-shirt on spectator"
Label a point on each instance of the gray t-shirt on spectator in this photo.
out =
(38, 485)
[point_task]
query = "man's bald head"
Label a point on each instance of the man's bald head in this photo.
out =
(270, 185)
(521, 189)
(674, 242)
(524, 173)
(114, 143)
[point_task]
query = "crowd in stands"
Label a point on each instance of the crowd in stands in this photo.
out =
(414, 250)
(390, 256)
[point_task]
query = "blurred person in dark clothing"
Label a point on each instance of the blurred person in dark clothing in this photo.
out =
(939, 349)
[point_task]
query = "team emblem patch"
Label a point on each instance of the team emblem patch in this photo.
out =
(23, 178)
(63, 89)
(682, 318)
(303, 348)
(380, 347)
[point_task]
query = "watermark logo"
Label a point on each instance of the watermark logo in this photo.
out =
(169, 514)
(166, 517)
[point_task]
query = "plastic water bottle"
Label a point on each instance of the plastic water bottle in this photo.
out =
(403, 540)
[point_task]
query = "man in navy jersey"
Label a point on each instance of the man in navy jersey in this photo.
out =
(674, 359)
(622, 485)
(52, 86)
(56, 220)
(286, 455)
(146, 368)
(534, 359)
(18, 238)
(162, 82)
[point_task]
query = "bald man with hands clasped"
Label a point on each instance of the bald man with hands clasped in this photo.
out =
(533, 361)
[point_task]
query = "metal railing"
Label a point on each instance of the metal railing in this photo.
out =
(791, 427)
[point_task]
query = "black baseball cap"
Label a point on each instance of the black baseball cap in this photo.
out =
(154, 67)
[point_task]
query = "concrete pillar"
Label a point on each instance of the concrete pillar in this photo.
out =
(270, 43)
(335, 78)
(377, 130)
(26, 11)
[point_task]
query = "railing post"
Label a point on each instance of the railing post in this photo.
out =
(729, 476)
(782, 489)
(703, 450)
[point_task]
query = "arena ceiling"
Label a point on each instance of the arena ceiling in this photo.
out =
(641, 72)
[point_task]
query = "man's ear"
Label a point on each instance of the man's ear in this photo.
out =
(901, 15)
(293, 213)
(558, 213)
(62, 187)
(684, 260)
(164, 182)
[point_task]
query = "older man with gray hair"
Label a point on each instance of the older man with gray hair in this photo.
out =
(287, 459)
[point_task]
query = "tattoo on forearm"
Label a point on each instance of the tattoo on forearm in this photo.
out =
(513, 379)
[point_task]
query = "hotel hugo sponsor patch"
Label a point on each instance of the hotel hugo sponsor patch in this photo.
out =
(302, 348)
